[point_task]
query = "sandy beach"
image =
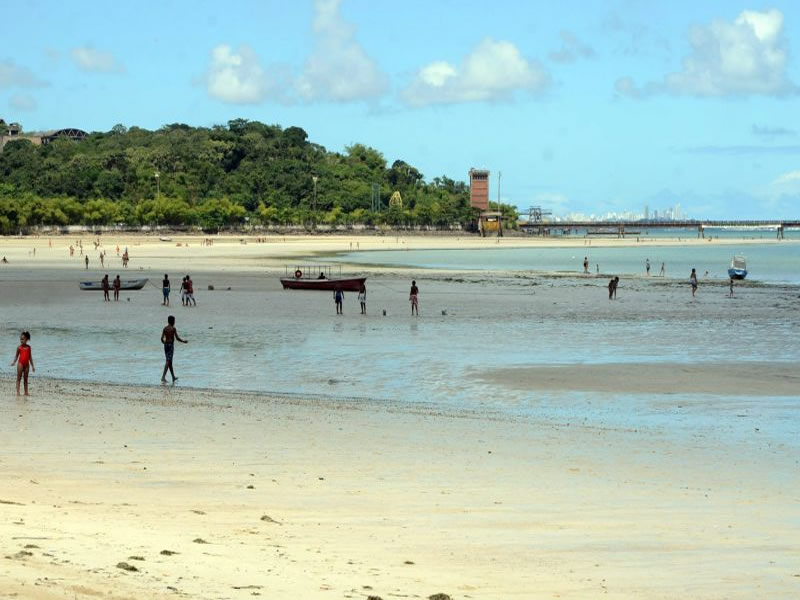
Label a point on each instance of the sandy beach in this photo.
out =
(474, 452)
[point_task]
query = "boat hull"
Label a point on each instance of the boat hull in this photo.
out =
(352, 284)
(737, 273)
(97, 286)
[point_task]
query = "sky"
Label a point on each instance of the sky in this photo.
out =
(578, 106)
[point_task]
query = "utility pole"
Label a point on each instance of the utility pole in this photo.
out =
(499, 176)
(314, 178)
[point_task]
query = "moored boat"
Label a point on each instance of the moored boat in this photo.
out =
(126, 284)
(738, 268)
(346, 284)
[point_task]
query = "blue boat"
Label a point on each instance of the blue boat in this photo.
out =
(738, 268)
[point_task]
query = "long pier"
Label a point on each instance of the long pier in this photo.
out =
(619, 227)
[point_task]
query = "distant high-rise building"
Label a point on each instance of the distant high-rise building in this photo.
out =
(677, 214)
(646, 212)
(655, 214)
(479, 188)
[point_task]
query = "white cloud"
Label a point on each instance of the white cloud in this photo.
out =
(745, 57)
(339, 68)
(790, 178)
(13, 75)
(22, 102)
(95, 61)
(493, 71)
(571, 49)
(237, 78)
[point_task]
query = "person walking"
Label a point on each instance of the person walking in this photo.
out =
(647, 266)
(168, 336)
(693, 282)
(586, 265)
(663, 270)
(117, 285)
(87, 262)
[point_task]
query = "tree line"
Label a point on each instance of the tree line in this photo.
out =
(242, 173)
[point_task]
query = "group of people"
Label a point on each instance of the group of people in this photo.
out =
(338, 298)
(187, 291)
(647, 268)
(115, 285)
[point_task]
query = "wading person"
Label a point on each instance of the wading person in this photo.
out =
(168, 336)
(413, 297)
(362, 298)
(165, 290)
(338, 298)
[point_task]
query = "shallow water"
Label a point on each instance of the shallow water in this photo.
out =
(770, 263)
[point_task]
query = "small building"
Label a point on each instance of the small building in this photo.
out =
(490, 222)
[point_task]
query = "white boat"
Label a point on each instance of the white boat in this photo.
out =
(738, 268)
(126, 284)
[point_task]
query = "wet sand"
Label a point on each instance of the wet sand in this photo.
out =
(722, 379)
(215, 494)
(218, 495)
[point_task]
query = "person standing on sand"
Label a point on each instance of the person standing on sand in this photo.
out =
(183, 291)
(190, 292)
(338, 298)
(106, 286)
(23, 359)
(647, 266)
(165, 290)
(693, 282)
(616, 285)
(117, 285)
(586, 264)
(362, 298)
(611, 289)
(87, 262)
(413, 297)
(663, 270)
(168, 336)
(730, 295)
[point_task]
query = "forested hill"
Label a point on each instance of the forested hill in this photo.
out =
(216, 177)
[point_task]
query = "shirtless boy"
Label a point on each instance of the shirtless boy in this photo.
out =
(168, 336)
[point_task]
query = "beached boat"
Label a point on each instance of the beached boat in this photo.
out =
(738, 268)
(127, 284)
(346, 284)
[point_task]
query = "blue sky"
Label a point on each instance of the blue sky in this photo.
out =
(584, 106)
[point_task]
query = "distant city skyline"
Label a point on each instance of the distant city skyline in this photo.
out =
(584, 107)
